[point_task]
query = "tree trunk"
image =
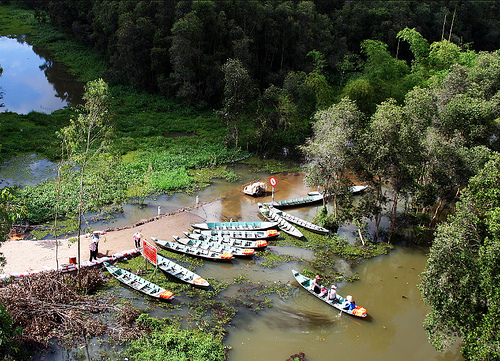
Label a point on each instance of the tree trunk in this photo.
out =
(393, 217)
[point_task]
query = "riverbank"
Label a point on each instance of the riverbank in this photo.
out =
(28, 256)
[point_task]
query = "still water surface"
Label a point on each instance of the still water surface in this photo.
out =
(33, 81)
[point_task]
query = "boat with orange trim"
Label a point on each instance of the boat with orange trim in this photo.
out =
(233, 242)
(138, 283)
(236, 226)
(182, 273)
(193, 251)
(216, 247)
(253, 235)
(340, 303)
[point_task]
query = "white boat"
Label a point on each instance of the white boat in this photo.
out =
(216, 247)
(283, 224)
(299, 221)
(233, 242)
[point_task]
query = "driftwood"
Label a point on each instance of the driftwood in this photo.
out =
(50, 306)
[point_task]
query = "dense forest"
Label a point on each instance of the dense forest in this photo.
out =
(400, 95)
(299, 56)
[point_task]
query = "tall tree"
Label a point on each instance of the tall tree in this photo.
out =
(461, 281)
(9, 213)
(331, 149)
(238, 93)
(84, 140)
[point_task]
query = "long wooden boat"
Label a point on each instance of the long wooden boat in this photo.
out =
(298, 201)
(252, 235)
(299, 221)
(216, 247)
(236, 226)
(338, 303)
(233, 242)
(352, 189)
(283, 224)
(193, 251)
(138, 283)
(182, 273)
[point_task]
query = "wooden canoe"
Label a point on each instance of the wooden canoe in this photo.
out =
(283, 224)
(352, 189)
(193, 251)
(252, 235)
(233, 242)
(216, 247)
(138, 283)
(299, 221)
(298, 201)
(338, 303)
(182, 273)
(236, 226)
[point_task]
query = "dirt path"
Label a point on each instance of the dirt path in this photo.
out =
(25, 256)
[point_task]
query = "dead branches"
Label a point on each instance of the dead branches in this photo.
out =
(50, 305)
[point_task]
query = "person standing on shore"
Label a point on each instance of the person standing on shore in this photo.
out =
(137, 239)
(93, 249)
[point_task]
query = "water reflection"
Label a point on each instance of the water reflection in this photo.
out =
(32, 81)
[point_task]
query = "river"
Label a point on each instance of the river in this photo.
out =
(387, 285)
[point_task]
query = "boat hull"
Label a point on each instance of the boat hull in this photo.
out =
(251, 235)
(233, 242)
(283, 224)
(193, 251)
(138, 283)
(305, 282)
(216, 247)
(236, 226)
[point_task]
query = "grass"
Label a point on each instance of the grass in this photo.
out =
(15, 21)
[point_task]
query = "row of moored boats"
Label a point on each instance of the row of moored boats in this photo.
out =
(222, 241)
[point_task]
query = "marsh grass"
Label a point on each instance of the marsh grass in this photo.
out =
(15, 21)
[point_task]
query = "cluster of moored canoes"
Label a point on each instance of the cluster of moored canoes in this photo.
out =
(222, 241)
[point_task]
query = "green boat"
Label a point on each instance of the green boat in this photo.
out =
(298, 201)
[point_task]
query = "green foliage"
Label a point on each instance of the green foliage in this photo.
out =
(176, 344)
(8, 333)
(460, 281)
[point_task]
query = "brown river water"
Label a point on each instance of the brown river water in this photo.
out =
(387, 288)
(387, 285)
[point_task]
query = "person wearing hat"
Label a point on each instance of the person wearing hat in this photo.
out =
(137, 239)
(315, 286)
(349, 303)
(332, 293)
(95, 239)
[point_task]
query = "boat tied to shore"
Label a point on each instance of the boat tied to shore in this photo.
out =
(235, 226)
(138, 283)
(301, 201)
(283, 224)
(252, 235)
(233, 242)
(299, 221)
(193, 251)
(216, 247)
(179, 272)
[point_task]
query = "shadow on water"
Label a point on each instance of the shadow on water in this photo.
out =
(33, 81)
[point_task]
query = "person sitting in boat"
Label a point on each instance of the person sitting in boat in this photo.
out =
(332, 294)
(315, 284)
(349, 303)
